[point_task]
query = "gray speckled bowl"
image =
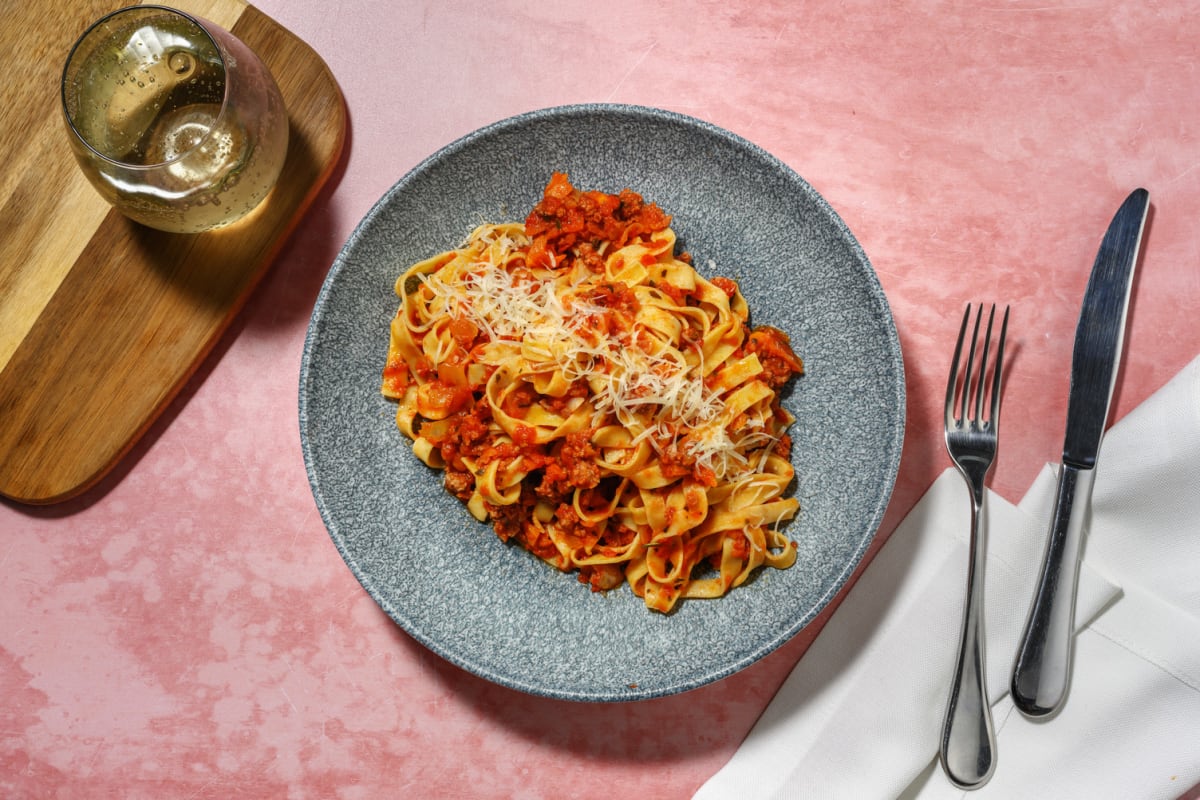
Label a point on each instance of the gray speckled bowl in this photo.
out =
(492, 608)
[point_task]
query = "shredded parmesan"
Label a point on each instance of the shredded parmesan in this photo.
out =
(661, 392)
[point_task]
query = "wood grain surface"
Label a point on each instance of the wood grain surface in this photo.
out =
(102, 321)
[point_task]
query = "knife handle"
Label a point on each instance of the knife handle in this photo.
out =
(1042, 673)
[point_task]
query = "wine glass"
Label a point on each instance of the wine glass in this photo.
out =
(176, 122)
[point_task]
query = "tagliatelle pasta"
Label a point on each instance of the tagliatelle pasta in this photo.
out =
(606, 406)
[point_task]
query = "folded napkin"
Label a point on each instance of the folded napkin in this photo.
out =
(860, 716)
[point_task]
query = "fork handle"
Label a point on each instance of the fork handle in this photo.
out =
(968, 749)
(1042, 672)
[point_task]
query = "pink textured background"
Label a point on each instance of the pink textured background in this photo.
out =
(189, 630)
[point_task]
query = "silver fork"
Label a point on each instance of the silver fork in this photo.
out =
(968, 748)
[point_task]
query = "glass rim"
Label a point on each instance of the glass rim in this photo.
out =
(79, 137)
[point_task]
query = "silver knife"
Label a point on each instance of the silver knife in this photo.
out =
(1042, 673)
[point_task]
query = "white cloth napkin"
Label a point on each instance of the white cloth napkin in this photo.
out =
(860, 715)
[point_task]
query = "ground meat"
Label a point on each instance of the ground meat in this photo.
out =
(775, 353)
(554, 485)
(591, 259)
(515, 522)
(775, 372)
(566, 217)
(460, 484)
(578, 459)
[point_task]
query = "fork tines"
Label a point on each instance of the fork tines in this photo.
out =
(974, 384)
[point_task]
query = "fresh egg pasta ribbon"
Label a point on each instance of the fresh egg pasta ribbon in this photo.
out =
(606, 406)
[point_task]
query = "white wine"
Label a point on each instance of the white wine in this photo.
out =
(180, 130)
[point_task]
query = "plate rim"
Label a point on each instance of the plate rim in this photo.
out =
(893, 349)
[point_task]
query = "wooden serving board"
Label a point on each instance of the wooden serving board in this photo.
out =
(103, 321)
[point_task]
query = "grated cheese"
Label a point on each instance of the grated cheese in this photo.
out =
(659, 393)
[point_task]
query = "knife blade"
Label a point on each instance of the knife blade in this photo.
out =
(1042, 670)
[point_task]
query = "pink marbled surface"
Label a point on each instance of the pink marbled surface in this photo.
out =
(189, 630)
